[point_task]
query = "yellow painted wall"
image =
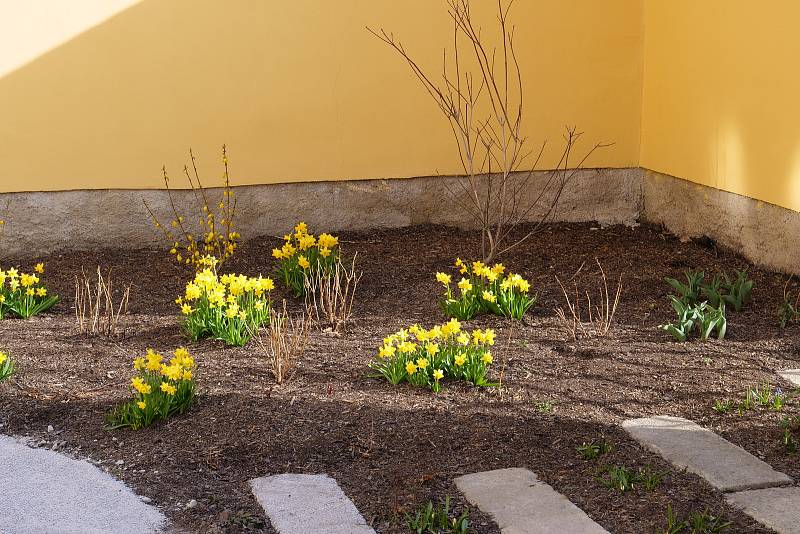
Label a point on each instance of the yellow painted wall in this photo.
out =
(297, 89)
(721, 93)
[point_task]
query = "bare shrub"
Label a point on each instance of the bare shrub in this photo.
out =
(285, 341)
(584, 319)
(96, 313)
(483, 102)
(330, 293)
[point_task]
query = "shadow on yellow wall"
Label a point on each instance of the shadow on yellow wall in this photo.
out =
(299, 91)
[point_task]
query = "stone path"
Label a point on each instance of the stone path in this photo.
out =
(44, 492)
(752, 485)
(777, 508)
(792, 375)
(522, 504)
(687, 445)
(300, 504)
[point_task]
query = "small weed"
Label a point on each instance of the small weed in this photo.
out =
(778, 400)
(544, 406)
(620, 478)
(789, 310)
(762, 395)
(704, 522)
(694, 523)
(789, 426)
(648, 478)
(674, 524)
(721, 406)
(594, 449)
(247, 521)
(788, 441)
(623, 479)
(435, 519)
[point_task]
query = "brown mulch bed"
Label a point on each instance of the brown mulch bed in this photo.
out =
(393, 448)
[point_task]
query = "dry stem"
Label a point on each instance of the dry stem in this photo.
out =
(330, 294)
(600, 318)
(285, 343)
(95, 311)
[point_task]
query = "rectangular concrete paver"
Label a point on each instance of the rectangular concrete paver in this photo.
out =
(301, 504)
(522, 504)
(688, 445)
(792, 375)
(777, 508)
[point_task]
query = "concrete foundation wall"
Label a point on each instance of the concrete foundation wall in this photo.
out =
(45, 222)
(764, 233)
(40, 223)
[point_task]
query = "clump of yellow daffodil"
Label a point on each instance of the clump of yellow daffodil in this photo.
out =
(161, 389)
(426, 357)
(230, 307)
(484, 289)
(302, 255)
(6, 366)
(209, 232)
(24, 294)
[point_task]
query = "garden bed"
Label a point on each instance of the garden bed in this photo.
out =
(393, 448)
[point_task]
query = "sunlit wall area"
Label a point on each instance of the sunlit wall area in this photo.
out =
(720, 99)
(299, 91)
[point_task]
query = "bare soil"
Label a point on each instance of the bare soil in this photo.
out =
(393, 448)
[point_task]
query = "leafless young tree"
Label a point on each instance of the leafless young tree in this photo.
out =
(483, 103)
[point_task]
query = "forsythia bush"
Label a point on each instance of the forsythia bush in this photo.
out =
(213, 233)
(485, 289)
(23, 294)
(303, 255)
(229, 307)
(426, 357)
(6, 366)
(162, 390)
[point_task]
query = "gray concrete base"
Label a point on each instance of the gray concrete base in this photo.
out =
(687, 445)
(45, 492)
(300, 504)
(40, 223)
(776, 508)
(764, 233)
(522, 504)
(80, 220)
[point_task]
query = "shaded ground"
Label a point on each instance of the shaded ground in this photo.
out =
(391, 448)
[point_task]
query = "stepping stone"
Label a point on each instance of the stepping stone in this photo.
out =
(522, 504)
(300, 504)
(792, 375)
(777, 508)
(688, 445)
(46, 492)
